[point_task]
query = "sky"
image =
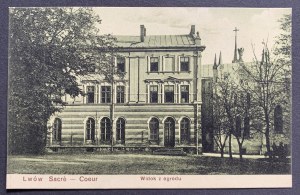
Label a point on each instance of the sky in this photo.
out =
(215, 26)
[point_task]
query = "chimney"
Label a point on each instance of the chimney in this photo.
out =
(192, 30)
(143, 33)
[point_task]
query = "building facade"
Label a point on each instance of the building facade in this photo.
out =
(255, 140)
(157, 104)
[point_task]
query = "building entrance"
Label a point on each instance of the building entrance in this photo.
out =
(169, 132)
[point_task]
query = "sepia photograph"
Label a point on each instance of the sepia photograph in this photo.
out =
(149, 97)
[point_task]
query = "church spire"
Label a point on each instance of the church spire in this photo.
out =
(220, 58)
(215, 62)
(235, 60)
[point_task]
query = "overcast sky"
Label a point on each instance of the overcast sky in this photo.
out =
(215, 26)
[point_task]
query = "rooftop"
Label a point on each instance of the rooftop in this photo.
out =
(159, 41)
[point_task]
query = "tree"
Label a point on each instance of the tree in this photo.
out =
(268, 80)
(48, 49)
(220, 123)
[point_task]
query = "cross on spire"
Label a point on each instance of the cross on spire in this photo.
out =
(235, 46)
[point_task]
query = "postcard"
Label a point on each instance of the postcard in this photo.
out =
(149, 97)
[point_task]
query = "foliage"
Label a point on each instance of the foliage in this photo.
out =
(48, 49)
(232, 112)
(268, 81)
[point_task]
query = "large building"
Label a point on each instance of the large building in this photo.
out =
(157, 104)
(163, 101)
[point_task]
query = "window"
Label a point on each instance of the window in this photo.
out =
(278, 119)
(246, 126)
(169, 64)
(120, 94)
(154, 129)
(154, 64)
(120, 130)
(90, 129)
(169, 94)
(184, 64)
(153, 94)
(105, 129)
(238, 126)
(90, 94)
(185, 131)
(121, 65)
(57, 130)
(105, 94)
(184, 89)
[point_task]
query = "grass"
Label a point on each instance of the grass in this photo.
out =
(131, 164)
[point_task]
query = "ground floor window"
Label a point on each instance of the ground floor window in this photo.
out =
(120, 130)
(185, 130)
(90, 129)
(57, 129)
(154, 129)
(105, 129)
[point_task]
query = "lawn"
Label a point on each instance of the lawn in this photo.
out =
(112, 164)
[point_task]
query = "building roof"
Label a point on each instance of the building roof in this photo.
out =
(156, 41)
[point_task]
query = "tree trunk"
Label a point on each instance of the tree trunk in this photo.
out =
(229, 148)
(222, 152)
(240, 150)
(267, 134)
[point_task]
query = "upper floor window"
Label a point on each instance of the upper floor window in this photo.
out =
(184, 90)
(105, 94)
(169, 94)
(120, 94)
(120, 64)
(184, 64)
(154, 94)
(90, 94)
(154, 64)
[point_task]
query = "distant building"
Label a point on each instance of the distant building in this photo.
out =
(254, 142)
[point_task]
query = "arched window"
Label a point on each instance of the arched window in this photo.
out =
(278, 119)
(57, 129)
(154, 129)
(120, 130)
(238, 126)
(169, 132)
(90, 129)
(185, 130)
(105, 129)
(246, 126)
